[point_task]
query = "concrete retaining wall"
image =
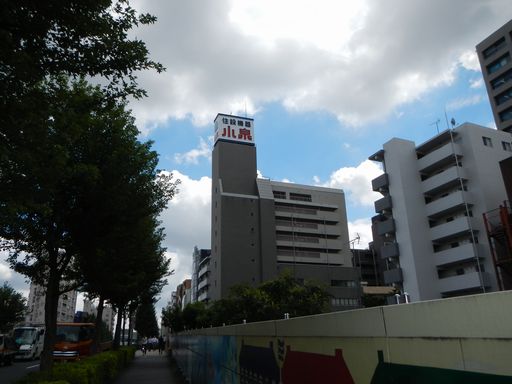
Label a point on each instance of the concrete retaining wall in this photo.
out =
(466, 340)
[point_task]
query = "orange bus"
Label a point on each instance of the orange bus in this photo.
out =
(73, 341)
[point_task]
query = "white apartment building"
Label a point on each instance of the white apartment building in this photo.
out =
(35, 306)
(429, 221)
(108, 315)
(200, 275)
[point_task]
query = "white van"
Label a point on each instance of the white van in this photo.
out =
(30, 341)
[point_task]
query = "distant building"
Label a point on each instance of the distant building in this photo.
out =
(262, 227)
(108, 313)
(495, 55)
(35, 305)
(183, 294)
(200, 275)
(429, 221)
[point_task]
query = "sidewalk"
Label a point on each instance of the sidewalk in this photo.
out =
(152, 369)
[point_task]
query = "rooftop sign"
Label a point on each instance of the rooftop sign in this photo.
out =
(234, 128)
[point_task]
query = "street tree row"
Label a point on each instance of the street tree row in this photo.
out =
(81, 194)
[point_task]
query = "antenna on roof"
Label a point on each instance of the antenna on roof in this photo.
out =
(437, 124)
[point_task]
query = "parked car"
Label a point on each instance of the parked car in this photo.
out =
(8, 349)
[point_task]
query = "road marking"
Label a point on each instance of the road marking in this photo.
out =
(33, 366)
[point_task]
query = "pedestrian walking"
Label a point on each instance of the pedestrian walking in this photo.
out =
(161, 345)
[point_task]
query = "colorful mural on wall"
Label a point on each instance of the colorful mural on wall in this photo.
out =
(224, 359)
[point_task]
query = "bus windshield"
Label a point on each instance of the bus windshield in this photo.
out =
(74, 333)
(24, 335)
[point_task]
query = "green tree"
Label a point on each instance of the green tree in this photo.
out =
(41, 39)
(46, 206)
(12, 308)
(145, 320)
(172, 317)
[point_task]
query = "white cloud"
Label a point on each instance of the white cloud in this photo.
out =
(356, 60)
(356, 182)
(187, 223)
(5, 271)
(476, 83)
(192, 157)
(469, 60)
(464, 102)
(361, 228)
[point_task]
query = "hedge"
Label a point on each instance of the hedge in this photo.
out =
(98, 369)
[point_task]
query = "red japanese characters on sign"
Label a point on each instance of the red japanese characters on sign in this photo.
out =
(234, 128)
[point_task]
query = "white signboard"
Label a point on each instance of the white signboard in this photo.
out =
(234, 128)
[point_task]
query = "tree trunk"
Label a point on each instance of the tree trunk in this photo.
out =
(130, 327)
(50, 318)
(123, 326)
(117, 333)
(99, 325)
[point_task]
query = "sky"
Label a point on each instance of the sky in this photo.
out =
(327, 82)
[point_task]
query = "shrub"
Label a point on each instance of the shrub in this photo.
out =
(98, 369)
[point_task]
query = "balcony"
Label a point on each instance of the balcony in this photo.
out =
(445, 179)
(451, 229)
(202, 284)
(457, 254)
(466, 281)
(393, 276)
(380, 183)
(439, 157)
(452, 202)
(386, 226)
(389, 250)
(203, 270)
(383, 204)
(203, 296)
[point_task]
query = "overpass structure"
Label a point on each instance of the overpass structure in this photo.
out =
(459, 340)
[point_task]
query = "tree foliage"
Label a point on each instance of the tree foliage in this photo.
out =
(40, 39)
(145, 320)
(12, 308)
(269, 301)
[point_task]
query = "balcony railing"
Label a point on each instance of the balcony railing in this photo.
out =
(393, 276)
(439, 157)
(447, 178)
(451, 202)
(464, 282)
(389, 250)
(458, 254)
(381, 182)
(383, 204)
(453, 228)
(387, 226)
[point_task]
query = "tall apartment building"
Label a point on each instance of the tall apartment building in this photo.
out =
(495, 55)
(261, 227)
(35, 305)
(200, 275)
(429, 221)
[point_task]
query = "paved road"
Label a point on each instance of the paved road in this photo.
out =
(9, 374)
(151, 368)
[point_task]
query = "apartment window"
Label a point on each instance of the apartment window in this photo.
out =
(454, 244)
(506, 114)
(300, 197)
(503, 97)
(487, 141)
(343, 283)
(498, 64)
(279, 195)
(500, 80)
(488, 52)
(506, 146)
(459, 271)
